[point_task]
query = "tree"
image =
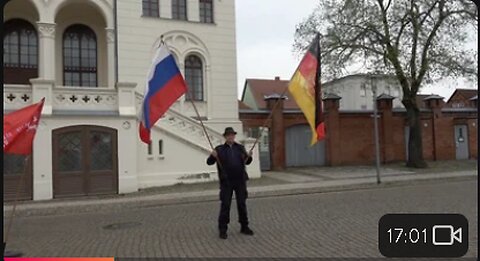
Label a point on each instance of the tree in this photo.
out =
(420, 42)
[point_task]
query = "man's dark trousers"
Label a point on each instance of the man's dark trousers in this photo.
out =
(241, 194)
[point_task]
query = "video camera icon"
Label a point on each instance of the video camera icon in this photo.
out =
(455, 235)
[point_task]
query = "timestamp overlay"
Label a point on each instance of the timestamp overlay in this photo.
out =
(423, 235)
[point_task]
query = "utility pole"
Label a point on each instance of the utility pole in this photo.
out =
(375, 123)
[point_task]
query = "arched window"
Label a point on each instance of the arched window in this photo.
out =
(194, 77)
(20, 52)
(79, 56)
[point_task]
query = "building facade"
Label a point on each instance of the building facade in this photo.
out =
(89, 59)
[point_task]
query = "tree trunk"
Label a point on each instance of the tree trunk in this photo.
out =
(415, 148)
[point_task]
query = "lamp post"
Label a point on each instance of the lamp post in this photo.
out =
(375, 124)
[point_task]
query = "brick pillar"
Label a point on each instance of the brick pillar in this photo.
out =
(276, 132)
(331, 105)
(435, 103)
(384, 105)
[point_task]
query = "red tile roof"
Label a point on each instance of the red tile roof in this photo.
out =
(261, 88)
(465, 93)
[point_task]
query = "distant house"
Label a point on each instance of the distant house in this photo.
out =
(462, 98)
(355, 90)
(255, 91)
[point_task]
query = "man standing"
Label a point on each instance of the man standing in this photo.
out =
(231, 159)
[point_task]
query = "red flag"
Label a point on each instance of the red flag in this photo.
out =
(19, 128)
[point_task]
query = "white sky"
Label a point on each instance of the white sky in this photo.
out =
(265, 35)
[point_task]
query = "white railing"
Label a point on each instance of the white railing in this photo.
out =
(84, 99)
(16, 96)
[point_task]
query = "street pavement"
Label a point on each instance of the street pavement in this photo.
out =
(272, 183)
(332, 224)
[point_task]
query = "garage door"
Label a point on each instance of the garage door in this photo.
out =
(84, 161)
(298, 149)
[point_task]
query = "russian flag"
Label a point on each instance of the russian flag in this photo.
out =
(165, 84)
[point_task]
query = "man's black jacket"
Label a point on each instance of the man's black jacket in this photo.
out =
(232, 162)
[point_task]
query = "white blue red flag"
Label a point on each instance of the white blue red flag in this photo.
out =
(165, 84)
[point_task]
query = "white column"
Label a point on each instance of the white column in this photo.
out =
(42, 162)
(126, 98)
(193, 10)
(43, 89)
(127, 159)
(46, 50)
(111, 57)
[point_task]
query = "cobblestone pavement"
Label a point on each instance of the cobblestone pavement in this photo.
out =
(338, 224)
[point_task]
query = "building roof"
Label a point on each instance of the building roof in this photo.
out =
(243, 106)
(360, 75)
(466, 93)
(261, 88)
(385, 96)
(275, 96)
(331, 96)
(433, 97)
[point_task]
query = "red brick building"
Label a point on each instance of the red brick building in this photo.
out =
(463, 98)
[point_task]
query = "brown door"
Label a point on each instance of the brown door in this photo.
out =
(17, 178)
(84, 161)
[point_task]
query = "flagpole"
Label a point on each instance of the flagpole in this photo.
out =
(21, 182)
(196, 112)
(278, 101)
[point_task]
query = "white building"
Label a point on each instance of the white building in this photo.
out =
(357, 90)
(89, 58)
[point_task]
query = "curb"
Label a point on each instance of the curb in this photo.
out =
(122, 204)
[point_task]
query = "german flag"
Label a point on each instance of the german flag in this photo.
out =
(305, 89)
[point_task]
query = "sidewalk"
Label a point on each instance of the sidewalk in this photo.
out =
(295, 181)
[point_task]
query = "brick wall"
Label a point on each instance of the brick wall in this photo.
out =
(353, 142)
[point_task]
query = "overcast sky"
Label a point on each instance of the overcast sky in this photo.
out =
(265, 32)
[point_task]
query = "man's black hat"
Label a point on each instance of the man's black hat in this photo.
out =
(229, 130)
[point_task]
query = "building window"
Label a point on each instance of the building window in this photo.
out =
(79, 56)
(206, 11)
(194, 77)
(20, 52)
(150, 8)
(149, 149)
(160, 147)
(179, 9)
